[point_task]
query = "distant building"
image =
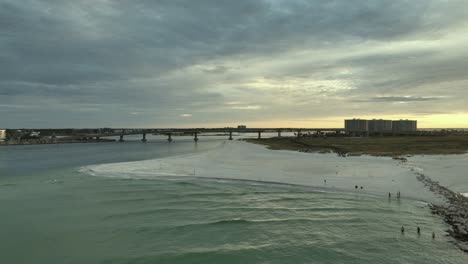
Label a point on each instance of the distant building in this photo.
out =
(2, 134)
(404, 125)
(380, 125)
(241, 126)
(356, 125)
(35, 134)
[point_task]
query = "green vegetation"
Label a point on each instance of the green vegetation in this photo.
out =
(375, 146)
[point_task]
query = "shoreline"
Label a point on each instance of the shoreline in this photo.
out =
(340, 174)
(453, 208)
(454, 213)
(56, 141)
(395, 147)
(451, 213)
(315, 212)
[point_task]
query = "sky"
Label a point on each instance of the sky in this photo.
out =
(218, 63)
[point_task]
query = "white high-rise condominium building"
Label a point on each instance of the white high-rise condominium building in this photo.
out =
(380, 125)
(2, 134)
(356, 125)
(404, 125)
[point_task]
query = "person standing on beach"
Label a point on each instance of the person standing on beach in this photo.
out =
(402, 230)
(389, 195)
(418, 230)
(433, 235)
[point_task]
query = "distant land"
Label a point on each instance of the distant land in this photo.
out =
(339, 140)
(374, 146)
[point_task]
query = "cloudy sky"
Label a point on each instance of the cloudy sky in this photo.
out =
(263, 63)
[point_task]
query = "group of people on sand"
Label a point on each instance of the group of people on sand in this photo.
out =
(398, 195)
(418, 231)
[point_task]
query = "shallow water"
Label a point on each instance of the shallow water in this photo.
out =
(449, 170)
(189, 203)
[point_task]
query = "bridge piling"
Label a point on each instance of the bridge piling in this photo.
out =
(144, 137)
(195, 136)
(230, 135)
(169, 137)
(121, 138)
(279, 133)
(259, 134)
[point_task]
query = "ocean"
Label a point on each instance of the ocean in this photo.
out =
(218, 201)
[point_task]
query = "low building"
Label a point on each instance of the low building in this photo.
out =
(356, 125)
(404, 125)
(34, 134)
(241, 127)
(2, 134)
(380, 125)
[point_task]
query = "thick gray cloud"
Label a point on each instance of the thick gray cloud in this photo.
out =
(181, 63)
(399, 99)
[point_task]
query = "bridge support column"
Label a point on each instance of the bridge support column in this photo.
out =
(121, 138)
(259, 134)
(144, 137)
(195, 136)
(298, 133)
(279, 133)
(98, 138)
(169, 137)
(230, 135)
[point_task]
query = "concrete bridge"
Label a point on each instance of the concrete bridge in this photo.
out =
(195, 132)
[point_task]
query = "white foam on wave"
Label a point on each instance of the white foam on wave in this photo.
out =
(172, 166)
(245, 161)
(87, 170)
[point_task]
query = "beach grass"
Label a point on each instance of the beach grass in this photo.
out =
(375, 146)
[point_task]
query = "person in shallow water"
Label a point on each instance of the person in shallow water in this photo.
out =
(433, 235)
(418, 230)
(402, 230)
(355, 187)
(389, 195)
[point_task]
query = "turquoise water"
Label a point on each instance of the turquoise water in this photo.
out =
(53, 212)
